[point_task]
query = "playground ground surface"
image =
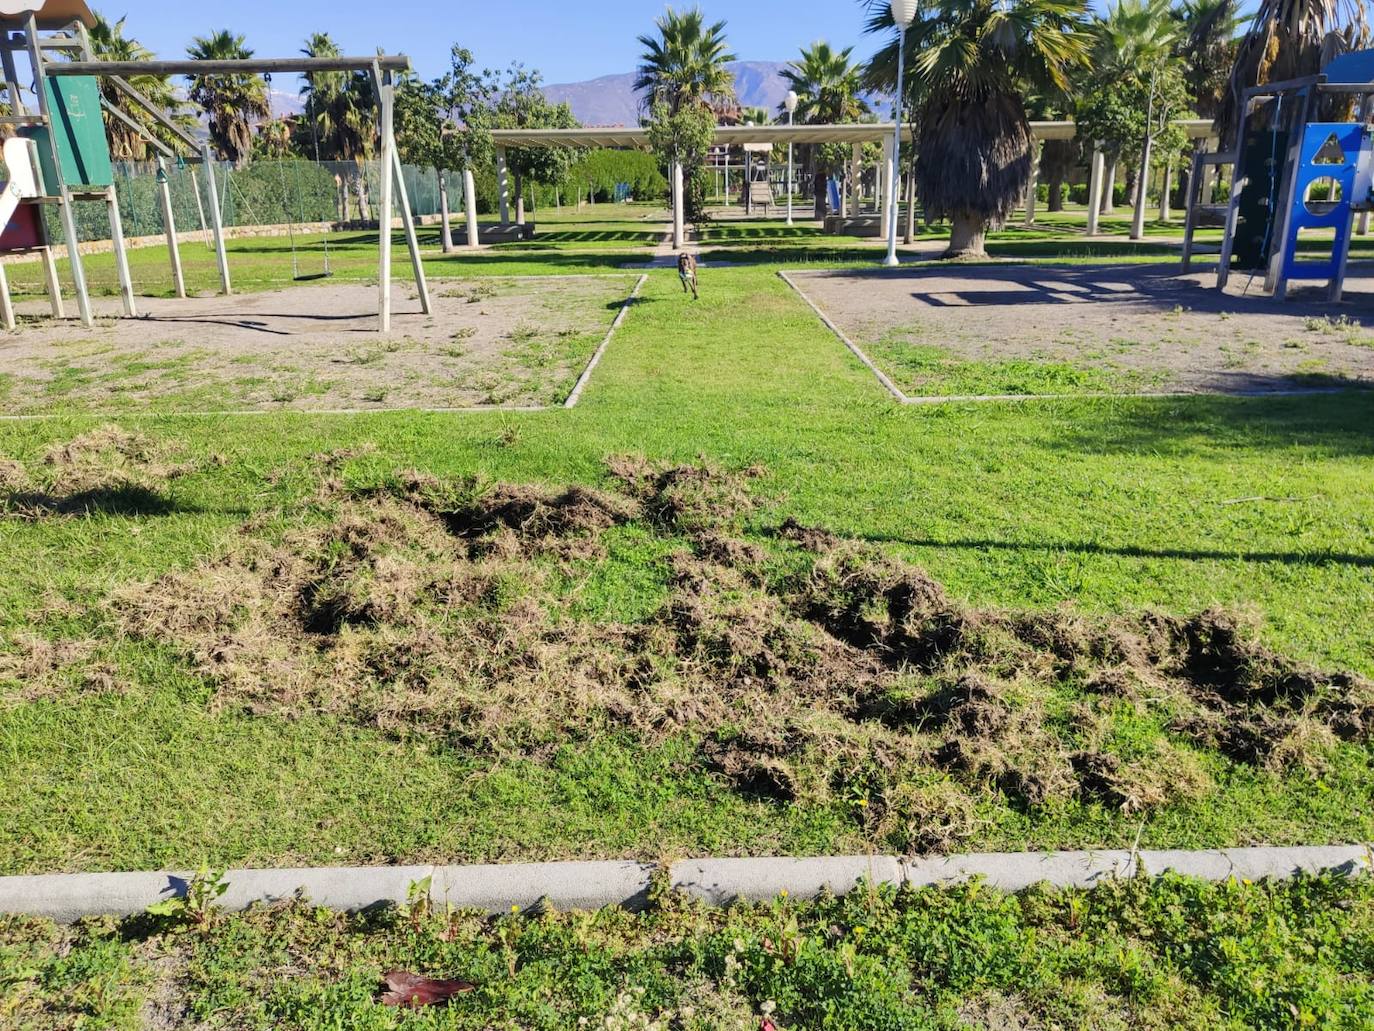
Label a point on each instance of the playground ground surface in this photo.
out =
(1014, 329)
(619, 631)
(316, 347)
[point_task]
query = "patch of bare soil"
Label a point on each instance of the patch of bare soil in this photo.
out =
(815, 668)
(487, 342)
(1136, 327)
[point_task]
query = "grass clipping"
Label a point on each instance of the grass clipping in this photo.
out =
(810, 668)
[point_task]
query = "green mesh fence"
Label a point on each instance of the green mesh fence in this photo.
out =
(273, 195)
(263, 193)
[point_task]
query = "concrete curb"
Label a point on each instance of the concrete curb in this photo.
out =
(576, 394)
(496, 888)
(858, 352)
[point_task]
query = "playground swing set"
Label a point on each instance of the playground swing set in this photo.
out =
(1292, 173)
(60, 154)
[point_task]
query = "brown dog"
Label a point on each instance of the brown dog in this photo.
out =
(687, 272)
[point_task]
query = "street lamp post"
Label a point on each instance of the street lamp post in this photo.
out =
(903, 14)
(790, 103)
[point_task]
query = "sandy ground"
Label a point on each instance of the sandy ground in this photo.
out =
(1146, 326)
(487, 342)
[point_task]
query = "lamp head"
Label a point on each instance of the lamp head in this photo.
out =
(790, 101)
(903, 12)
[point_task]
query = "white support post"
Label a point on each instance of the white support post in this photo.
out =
(503, 184)
(1034, 184)
(1165, 212)
(169, 226)
(64, 194)
(121, 256)
(200, 207)
(678, 218)
(1095, 191)
(384, 215)
(6, 305)
(878, 170)
(408, 224)
(207, 160)
(59, 310)
(910, 233)
(470, 208)
(856, 156)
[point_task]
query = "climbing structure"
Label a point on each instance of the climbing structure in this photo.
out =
(1293, 174)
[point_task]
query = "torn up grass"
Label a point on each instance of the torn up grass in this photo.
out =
(1146, 953)
(787, 669)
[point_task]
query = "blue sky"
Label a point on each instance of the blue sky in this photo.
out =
(566, 41)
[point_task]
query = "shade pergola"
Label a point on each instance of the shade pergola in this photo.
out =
(854, 134)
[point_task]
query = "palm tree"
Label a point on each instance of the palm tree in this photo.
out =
(1136, 52)
(340, 113)
(685, 63)
(231, 102)
(1288, 39)
(108, 43)
(1208, 50)
(971, 62)
(828, 90)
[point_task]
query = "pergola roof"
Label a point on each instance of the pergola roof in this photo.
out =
(635, 137)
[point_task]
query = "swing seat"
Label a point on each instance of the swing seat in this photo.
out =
(308, 276)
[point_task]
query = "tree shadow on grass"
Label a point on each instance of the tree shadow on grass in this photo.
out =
(119, 499)
(1334, 424)
(1327, 558)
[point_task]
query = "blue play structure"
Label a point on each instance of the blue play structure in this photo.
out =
(1326, 188)
(1296, 175)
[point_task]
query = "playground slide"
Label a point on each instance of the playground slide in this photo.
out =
(20, 232)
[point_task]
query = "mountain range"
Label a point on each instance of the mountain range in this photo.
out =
(612, 100)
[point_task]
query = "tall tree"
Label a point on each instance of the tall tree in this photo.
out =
(108, 43)
(461, 102)
(1288, 39)
(340, 119)
(685, 63)
(1210, 37)
(519, 103)
(1136, 90)
(232, 103)
(828, 87)
(972, 61)
(685, 82)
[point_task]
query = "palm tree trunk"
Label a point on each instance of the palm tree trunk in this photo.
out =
(360, 188)
(445, 232)
(1056, 193)
(966, 235)
(822, 182)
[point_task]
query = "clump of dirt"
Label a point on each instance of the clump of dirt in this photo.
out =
(32, 666)
(432, 606)
(685, 498)
(107, 469)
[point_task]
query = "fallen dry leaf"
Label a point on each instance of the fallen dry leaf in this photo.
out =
(412, 991)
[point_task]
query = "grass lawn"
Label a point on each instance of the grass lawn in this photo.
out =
(1169, 953)
(402, 637)
(133, 755)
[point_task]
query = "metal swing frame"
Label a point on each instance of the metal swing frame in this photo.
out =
(41, 36)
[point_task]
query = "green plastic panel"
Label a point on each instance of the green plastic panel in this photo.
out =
(74, 101)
